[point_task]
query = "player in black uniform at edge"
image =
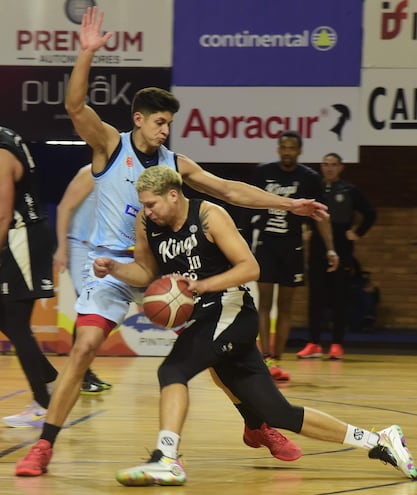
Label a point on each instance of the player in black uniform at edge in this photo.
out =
(187, 237)
(26, 247)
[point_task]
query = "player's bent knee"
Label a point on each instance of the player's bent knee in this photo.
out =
(84, 353)
(168, 375)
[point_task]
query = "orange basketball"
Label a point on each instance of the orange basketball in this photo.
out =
(168, 302)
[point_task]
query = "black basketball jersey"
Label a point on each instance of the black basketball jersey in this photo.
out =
(302, 182)
(188, 251)
(27, 205)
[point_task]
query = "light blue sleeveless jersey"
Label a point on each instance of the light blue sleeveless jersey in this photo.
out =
(83, 219)
(117, 202)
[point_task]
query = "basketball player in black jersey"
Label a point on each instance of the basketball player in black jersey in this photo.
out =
(187, 238)
(26, 247)
(279, 246)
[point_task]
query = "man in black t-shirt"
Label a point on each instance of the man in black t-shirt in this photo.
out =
(331, 289)
(278, 246)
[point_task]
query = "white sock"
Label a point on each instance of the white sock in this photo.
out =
(357, 437)
(168, 442)
(50, 387)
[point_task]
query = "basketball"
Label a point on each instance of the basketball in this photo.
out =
(168, 302)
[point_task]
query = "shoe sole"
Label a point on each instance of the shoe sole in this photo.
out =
(287, 459)
(23, 427)
(280, 378)
(281, 458)
(29, 474)
(147, 480)
(105, 387)
(37, 424)
(311, 356)
(87, 392)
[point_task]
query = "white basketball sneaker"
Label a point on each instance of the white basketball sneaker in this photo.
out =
(159, 470)
(32, 416)
(392, 449)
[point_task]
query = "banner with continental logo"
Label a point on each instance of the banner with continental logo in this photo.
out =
(267, 43)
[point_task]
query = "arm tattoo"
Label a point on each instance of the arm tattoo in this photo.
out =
(204, 219)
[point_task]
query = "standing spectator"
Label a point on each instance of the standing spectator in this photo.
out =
(278, 247)
(331, 288)
(74, 222)
(26, 247)
(364, 299)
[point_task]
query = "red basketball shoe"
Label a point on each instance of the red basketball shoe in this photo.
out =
(36, 460)
(279, 445)
(276, 372)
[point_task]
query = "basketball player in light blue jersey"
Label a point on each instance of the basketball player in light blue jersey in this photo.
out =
(73, 226)
(74, 223)
(117, 161)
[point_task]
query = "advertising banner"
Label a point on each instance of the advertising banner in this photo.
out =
(242, 125)
(267, 43)
(390, 37)
(33, 97)
(389, 107)
(45, 32)
(40, 43)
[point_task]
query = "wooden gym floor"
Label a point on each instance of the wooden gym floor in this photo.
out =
(119, 427)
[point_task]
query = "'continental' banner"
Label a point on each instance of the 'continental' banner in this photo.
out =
(267, 43)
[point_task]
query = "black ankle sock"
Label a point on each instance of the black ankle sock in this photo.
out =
(50, 432)
(251, 420)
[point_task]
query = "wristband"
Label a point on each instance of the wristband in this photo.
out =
(331, 252)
